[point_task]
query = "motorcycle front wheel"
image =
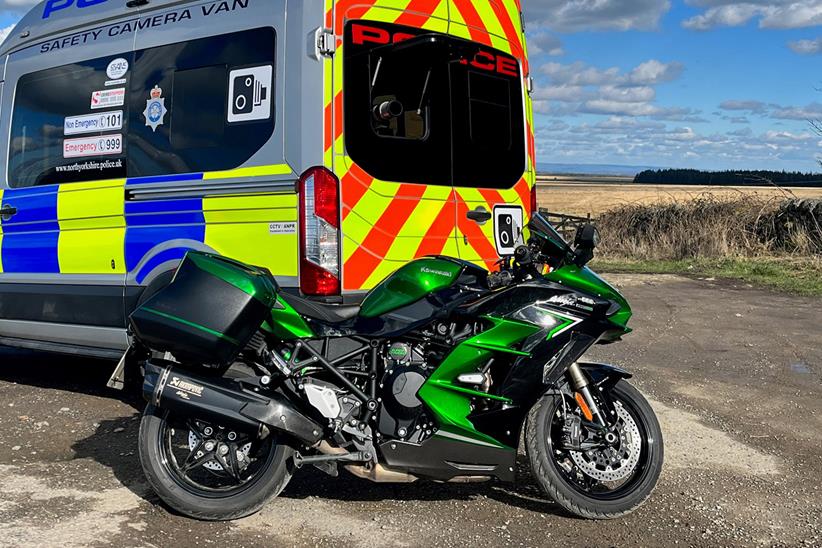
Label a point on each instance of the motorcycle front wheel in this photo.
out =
(209, 472)
(602, 479)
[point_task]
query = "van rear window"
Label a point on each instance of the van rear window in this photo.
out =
(432, 109)
(201, 105)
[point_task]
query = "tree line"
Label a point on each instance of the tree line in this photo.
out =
(730, 178)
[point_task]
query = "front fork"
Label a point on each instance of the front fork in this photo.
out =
(583, 397)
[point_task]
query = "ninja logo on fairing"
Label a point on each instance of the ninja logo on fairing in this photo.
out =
(57, 5)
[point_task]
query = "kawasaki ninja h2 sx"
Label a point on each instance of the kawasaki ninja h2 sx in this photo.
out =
(433, 377)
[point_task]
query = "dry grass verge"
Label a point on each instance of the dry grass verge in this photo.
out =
(772, 242)
(709, 227)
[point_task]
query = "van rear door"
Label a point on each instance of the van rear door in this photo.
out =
(455, 144)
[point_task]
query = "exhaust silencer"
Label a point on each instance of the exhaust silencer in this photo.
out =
(225, 403)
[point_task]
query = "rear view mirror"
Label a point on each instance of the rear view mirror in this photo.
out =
(587, 239)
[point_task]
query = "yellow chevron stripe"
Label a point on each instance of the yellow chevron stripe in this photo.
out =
(257, 171)
(385, 11)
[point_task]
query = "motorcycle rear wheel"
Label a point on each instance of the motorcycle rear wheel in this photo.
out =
(169, 446)
(575, 488)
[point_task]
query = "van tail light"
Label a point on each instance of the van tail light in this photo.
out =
(534, 199)
(319, 192)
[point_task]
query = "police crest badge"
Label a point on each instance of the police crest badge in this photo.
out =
(155, 111)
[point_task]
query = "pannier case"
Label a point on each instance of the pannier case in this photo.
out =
(213, 307)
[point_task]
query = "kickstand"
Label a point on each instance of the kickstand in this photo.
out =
(117, 381)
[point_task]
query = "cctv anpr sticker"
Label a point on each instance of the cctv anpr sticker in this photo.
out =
(155, 111)
(249, 94)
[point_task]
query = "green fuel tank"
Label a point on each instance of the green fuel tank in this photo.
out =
(411, 283)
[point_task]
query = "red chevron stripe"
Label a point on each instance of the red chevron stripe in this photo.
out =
(418, 13)
(477, 239)
(476, 27)
(338, 116)
(492, 197)
(524, 193)
(514, 37)
(440, 231)
(328, 133)
(350, 9)
(355, 184)
(373, 249)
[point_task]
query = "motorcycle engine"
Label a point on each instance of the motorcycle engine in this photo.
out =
(403, 415)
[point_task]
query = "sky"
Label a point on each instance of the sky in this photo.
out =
(705, 84)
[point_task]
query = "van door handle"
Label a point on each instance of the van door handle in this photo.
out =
(479, 215)
(7, 212)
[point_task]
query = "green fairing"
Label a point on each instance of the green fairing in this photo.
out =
(587, 281)
(253, 281)
(450, 401)
(409, 284)
(286, 323)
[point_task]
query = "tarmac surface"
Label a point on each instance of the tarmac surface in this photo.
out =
(734, 372)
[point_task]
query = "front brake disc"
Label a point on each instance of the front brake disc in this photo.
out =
(614, 463)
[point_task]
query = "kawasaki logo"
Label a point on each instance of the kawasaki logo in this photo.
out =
(427, 270)
(185, 388)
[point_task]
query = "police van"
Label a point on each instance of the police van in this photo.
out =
(330, 141)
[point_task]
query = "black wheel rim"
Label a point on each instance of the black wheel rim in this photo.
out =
(585, 484)
(229, 467)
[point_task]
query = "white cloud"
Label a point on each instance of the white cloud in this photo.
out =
(807, 47)
(723, 16)
(564, 93)
(17, 6)
(654, 72)
(650, 72)
(755, 107)
(4, 33)
(773, 14)
(543, 42)
(808, 112)
(633, 94)
(625, 140)
(586, 15)
(579, 88)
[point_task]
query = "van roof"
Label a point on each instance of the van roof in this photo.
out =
(51, 18)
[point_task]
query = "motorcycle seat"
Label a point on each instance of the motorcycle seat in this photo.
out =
(326, 313)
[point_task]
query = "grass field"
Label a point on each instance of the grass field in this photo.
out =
(584, 195)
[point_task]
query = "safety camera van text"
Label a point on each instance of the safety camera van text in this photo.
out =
(330, 142)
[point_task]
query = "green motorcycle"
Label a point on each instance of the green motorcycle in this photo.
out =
(433, 377)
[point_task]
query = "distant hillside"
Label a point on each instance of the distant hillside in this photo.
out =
(728, 178)
(590, 169)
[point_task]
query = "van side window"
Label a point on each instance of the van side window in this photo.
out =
(53, 108)
(170, 113)
(196, 77)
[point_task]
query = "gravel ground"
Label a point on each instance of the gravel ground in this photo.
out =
(734, 373)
